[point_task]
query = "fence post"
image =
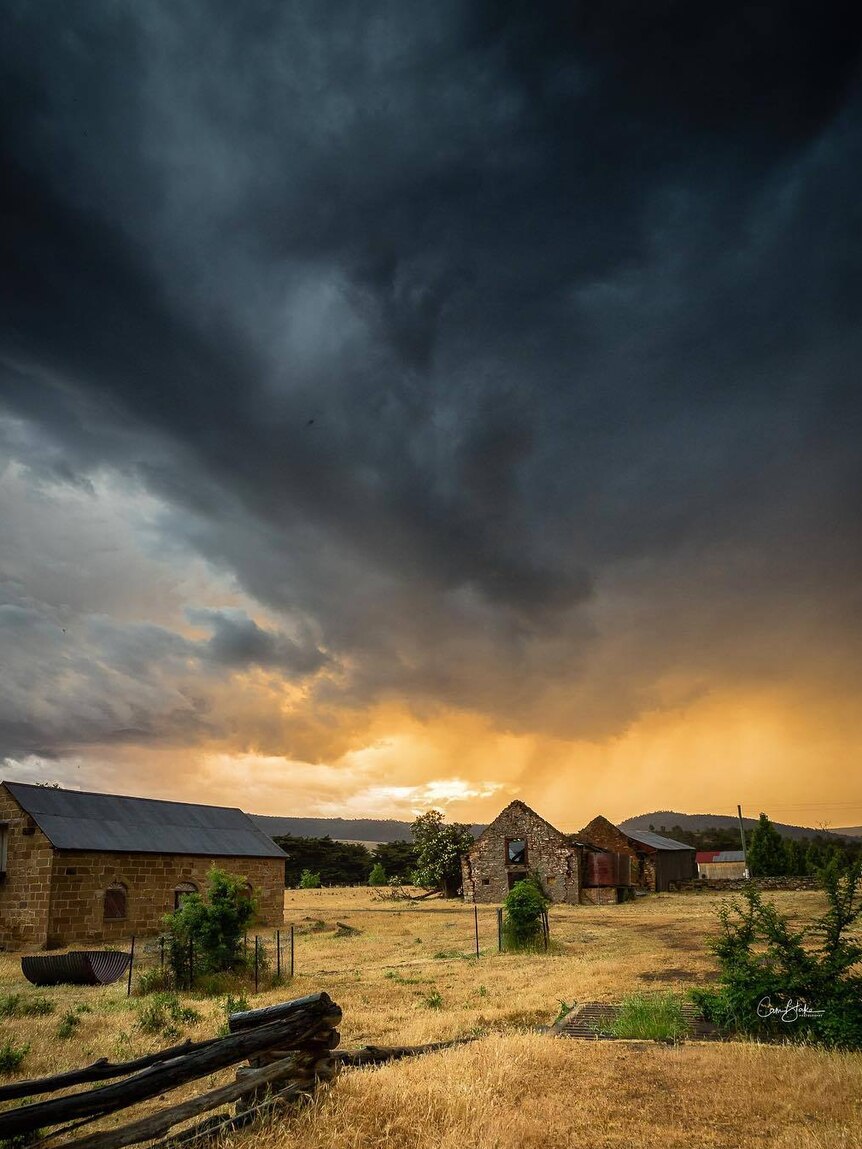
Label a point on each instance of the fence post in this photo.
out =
(476, 926)
(191, 964)
(162, 952)
(546, 929)
(278, 953)
(131, 967)
(291, 951)
(499, 930)
(256, 960)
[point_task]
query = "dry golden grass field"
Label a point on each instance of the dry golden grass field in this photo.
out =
(405, 979)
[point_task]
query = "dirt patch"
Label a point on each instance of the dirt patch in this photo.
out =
(669, 975)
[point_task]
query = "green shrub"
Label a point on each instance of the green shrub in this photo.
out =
(36, 1007)
(565, 1009)
(657, 1016)
(236, 1004)
(778, 979)
(165, 1014)
(433, 1000)
(154, 981)
(232, 1005)
(9, 1003)
(524, 907)
(69, 1024)
(207, 936)
(218, 984)
(309, 881)
(11, 1056)
(377, 877)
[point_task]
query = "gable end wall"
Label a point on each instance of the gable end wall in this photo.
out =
(484, 870)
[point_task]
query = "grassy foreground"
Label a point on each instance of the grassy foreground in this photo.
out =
(404, 978)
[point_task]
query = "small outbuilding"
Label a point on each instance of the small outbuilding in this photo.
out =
(81, 867)
(658, 863)
(720, 865)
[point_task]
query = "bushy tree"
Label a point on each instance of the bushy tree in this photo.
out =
(795, 853)
(206, 935)
(766, 854)
(523, 908)
(398, 859)
(439, 849)
(808, 975)
(338, 863)
(377, 877)
(309, 881)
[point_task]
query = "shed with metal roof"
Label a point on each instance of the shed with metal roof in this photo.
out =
(78, 866)
(658, 863)
(721, 865)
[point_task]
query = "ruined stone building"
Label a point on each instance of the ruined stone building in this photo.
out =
(78, 867)
(601, 865)
(517, 843)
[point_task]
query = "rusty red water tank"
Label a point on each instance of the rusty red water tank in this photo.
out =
(602, 868)
(624, 870)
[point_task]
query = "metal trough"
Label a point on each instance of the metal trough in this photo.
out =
(79, 967)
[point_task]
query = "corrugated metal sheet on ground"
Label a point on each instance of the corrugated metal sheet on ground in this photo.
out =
(589, 1021)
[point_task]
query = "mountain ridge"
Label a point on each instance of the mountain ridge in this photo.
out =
(393, 830)
(671, 818)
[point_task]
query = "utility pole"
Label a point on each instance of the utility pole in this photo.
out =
(742, 835)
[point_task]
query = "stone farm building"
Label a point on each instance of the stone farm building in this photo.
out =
(77, 867)
(724, 865)
(601, 869)
(658, 863)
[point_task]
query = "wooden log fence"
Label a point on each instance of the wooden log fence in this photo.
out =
(290, 1049)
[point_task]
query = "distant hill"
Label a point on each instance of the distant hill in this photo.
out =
(341, 829)
(850, 831)
(670, 818)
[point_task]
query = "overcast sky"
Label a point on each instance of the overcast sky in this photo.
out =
(430, 404)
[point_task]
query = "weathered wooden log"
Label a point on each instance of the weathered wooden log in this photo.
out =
(251, 1018)
(157, 1124)
(101, 1070)
(219, 1125)
(378, 1054)
(295, 1029)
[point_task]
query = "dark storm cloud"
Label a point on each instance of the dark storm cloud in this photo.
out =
(238, 641)
(428, 322)
(73, 679)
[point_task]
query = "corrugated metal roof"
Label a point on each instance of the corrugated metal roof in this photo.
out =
(655, 840)
(75, 820)
(710, 856)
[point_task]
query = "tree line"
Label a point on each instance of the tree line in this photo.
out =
(432, 859)
(770, 854)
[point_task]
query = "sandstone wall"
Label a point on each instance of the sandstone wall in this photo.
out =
(80, 880)
(25, 891)
(485, 870)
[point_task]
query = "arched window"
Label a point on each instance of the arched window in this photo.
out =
(181, 891)
(114, 908)
(246, 891)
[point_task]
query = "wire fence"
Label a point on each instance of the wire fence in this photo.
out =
(357, 938)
